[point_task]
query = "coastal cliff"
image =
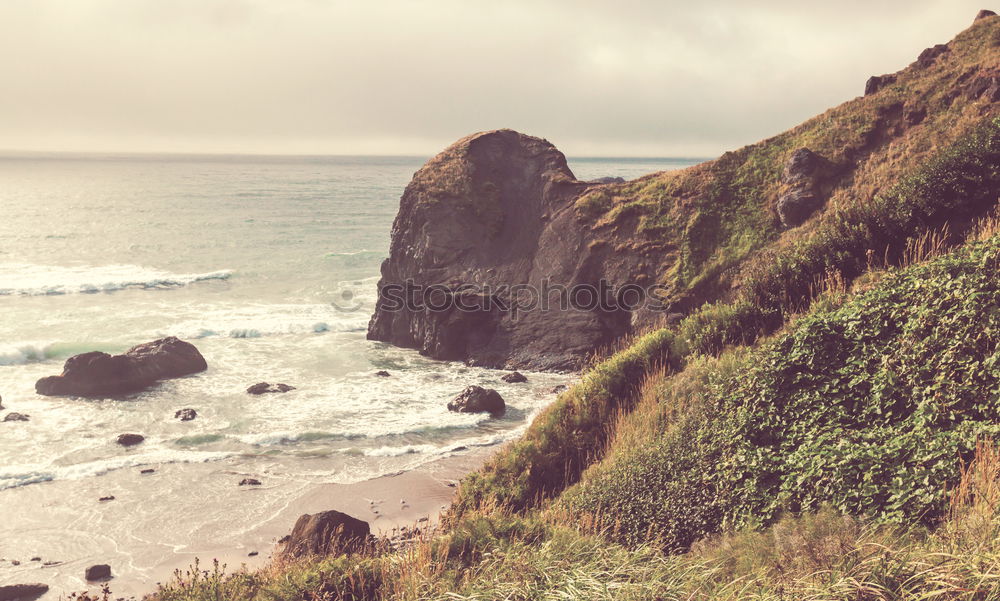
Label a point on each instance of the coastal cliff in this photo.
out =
(498, 219)
(489, 218)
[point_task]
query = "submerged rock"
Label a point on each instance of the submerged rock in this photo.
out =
(249, 482)
(186, 415)
(382, 374)
(16, 417)
(98, 374)
(514, 378)
(97, 572)
(476, 399)
(22, 592)
(326, 533)
(130, 440)
(265, 388)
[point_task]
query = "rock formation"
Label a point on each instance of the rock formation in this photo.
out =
(98, 374)
(801, 179)
(266, 388)
(186, 415)
(326, 533)
(514, 377)
(22, 592)
(476, 399)
(98, 572)
(483, 227)
(15, 417)
(130, 440)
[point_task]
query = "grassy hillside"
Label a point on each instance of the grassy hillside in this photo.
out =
(934, 178)
(819, 425)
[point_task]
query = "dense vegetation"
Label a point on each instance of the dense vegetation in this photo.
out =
(868, 407)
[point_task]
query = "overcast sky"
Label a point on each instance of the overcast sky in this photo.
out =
(622, 77)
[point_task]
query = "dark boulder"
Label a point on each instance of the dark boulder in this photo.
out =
(877, 82)
(97, 572)
(493, 213)
(515, 377)
(22, 592)
(476, 399)
(382, 374)
(16, 417)
(801, 179)
(249, 482)
(186, 415)
(265, 388)
(984, 14)
(130, 440)
(98, 374)
(326, 533)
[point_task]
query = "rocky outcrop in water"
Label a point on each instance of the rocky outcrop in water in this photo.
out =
(185, 415)
(97, 572)
(266, 388)
(130, 440)
(476, 399)
(98, 374)
(15, 417)
(326, 533)
(482, 228)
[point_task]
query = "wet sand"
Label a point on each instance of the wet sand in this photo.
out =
(161, 522)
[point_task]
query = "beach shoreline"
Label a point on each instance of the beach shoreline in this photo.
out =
(146, 550)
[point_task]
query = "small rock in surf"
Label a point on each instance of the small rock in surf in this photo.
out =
(130, 440)
(265, 388)
(186, 415)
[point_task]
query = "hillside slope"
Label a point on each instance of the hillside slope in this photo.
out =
(500, 210)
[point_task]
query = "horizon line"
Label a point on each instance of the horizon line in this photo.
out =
(7, 153)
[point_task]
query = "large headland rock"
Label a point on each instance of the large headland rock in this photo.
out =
(493, 211)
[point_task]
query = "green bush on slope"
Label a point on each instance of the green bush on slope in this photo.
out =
(868, 407)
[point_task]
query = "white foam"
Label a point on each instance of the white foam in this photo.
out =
(19, 354)
(259, 320)
(22, 475)
(26, 279)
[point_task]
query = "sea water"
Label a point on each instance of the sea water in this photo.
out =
(269, 266)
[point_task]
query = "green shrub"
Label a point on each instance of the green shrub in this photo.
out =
(868, 407)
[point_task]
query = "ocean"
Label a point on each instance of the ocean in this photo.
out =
(269, 266)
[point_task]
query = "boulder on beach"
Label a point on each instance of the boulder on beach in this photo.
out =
(130, 440)
(326, 533)
(515, 377)
(97, 572)
(22, 592)
(98, 374)
(186, 415)
(476, 399)
(16, 417)
(266, 388)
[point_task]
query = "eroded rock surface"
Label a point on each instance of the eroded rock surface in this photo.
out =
(98, 374)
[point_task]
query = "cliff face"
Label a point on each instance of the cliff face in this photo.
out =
(482, 229)
(501, 209)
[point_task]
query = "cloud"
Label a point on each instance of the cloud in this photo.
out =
(347, 76)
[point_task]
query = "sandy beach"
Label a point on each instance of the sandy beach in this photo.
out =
(71, 529)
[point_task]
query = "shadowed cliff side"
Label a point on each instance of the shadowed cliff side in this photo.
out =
(493, 212)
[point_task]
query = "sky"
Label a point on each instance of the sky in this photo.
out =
(596, 78)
